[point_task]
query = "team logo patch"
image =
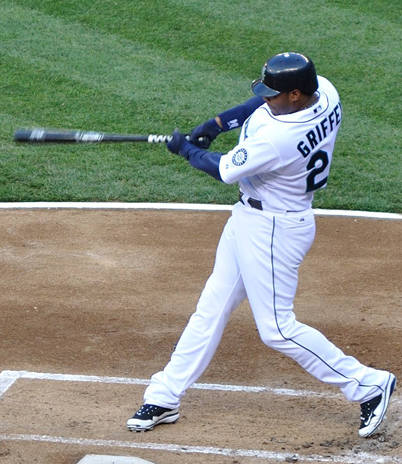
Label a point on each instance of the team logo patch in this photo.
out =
(240, 157)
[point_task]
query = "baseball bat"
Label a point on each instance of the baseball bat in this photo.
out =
(38, 135)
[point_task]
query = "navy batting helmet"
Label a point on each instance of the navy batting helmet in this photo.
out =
(286, 72)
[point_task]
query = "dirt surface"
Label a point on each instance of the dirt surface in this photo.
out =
(107, 293)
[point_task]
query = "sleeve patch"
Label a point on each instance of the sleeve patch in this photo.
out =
(240, 157)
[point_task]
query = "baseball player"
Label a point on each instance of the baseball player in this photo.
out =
(284, 153)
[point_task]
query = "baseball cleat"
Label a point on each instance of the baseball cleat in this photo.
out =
(373, 411)
(150, 415)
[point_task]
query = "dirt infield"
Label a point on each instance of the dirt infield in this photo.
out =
(107, 293)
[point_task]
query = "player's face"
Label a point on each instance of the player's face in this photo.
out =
(281, 104)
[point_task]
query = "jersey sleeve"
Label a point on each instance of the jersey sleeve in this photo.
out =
(235, 117)
(253, 156)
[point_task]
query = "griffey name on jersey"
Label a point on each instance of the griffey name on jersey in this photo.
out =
(314, 136)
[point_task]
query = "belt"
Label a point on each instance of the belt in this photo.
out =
(256, 204)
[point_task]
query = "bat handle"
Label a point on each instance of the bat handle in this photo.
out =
(167, 138)
(159, 138)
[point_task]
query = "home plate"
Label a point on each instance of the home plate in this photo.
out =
(98, 459)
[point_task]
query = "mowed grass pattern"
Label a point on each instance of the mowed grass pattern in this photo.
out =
(148, 67)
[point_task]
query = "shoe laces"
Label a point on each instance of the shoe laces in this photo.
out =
(145, 408)
(368, 407)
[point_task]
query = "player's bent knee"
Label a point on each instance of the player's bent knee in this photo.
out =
(273, 335)
(270, 336)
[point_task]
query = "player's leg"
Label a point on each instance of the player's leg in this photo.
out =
(223, 292)
(370, 387)
(269, 262)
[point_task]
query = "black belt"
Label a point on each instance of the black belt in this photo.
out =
(256, 204)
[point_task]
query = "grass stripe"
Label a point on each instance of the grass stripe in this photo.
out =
(132, 66)
(109, 63)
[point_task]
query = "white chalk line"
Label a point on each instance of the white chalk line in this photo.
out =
(179, 206)
(5, 383)
(348, 458)
(7, 378)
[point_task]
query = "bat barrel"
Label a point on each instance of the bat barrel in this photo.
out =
(25, 135)
(38, 135)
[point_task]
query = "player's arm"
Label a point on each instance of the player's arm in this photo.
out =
(254, 155)
(225, 121)
(199, 158)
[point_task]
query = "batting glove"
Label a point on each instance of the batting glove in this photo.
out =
(176, 143)
(206, 132)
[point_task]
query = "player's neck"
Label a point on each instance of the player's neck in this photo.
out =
(308, 102)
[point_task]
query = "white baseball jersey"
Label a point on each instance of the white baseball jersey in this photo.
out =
(282, 160)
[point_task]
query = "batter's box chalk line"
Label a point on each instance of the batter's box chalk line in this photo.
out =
(347, 458)
(8, 378)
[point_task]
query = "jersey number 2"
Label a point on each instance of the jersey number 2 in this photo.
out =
(322, 156)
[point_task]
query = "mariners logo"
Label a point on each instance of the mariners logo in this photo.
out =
(240, 157)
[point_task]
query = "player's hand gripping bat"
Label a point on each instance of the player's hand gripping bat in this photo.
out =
(38, 135)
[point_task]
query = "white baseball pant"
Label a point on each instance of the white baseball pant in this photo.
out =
(258, 257)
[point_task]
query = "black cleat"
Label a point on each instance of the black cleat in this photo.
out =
(150, 415)
(373, 411)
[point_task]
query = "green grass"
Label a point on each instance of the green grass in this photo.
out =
(150, 66)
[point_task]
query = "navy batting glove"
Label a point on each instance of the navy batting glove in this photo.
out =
(208, 131)
(176, 144)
